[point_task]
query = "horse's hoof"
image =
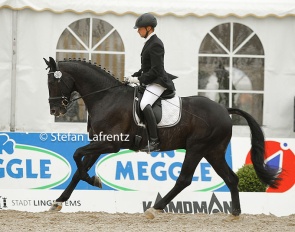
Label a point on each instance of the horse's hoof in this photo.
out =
(97, 181)
(152, 212)
(56, 206)
(231, 218)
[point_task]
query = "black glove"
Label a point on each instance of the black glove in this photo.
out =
(136, 74)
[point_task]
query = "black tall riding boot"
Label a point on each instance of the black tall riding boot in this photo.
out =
(152, 130)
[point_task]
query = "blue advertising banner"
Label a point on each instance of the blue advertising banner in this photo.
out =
(45, 161)
(39, 160)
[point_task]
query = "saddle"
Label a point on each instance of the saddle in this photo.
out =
(167, 101)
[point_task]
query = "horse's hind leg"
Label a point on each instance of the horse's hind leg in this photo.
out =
(230, 178)
(189, 165)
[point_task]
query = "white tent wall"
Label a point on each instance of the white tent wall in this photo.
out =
(5, 67)
(38, 33)
(37, 38)
(277, 37)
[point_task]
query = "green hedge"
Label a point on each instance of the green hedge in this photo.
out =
(248, 180)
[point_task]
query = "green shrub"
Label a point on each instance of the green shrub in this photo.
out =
(248, 180)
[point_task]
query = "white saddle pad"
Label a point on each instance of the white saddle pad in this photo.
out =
(171, 113)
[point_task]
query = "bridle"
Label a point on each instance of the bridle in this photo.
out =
(64, 99)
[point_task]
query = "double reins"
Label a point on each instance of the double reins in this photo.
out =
(98, 91)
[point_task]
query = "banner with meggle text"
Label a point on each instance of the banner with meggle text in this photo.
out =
(40, 165)
(45, 161)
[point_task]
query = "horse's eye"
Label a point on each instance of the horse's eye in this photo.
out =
(65, 102)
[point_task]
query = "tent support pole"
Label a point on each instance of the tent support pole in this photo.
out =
(13, 71)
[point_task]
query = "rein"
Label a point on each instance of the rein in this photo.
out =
(98, 91)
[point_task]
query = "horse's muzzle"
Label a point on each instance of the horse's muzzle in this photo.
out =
(53, 112)
(57, 111)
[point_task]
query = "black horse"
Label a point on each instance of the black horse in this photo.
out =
(204, 130)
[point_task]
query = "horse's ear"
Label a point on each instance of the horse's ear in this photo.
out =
(46, 61)
(52, 63)
(48, 64)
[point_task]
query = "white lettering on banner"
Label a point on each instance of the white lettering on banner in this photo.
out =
(110, 137)
(73, 137)
(68, 137)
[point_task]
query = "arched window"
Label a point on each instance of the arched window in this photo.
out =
(231, 69)
(95, 40)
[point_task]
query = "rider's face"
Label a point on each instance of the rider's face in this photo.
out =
(142, 31)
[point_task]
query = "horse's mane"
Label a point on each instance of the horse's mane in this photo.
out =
(91, 65)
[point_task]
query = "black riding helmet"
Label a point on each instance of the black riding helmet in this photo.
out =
(145, 20)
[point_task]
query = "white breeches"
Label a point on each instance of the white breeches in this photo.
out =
(151, 94)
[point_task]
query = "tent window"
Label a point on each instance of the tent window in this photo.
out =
(90, 39)
(231, 69)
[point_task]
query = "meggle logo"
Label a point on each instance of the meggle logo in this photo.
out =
(131, 171)
(30, 167)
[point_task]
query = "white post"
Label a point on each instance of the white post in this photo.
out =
(13, 70)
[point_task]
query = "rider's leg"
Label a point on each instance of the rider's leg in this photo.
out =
(151, 94)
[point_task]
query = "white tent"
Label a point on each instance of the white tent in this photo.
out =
(180, 8)
(30, 30)
(250, 42)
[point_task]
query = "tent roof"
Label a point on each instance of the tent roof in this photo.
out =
(179, 8)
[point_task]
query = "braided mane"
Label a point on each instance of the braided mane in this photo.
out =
(91, 65)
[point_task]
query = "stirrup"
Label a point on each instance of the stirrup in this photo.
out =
(153, 146)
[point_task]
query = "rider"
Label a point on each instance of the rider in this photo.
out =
(152, 74)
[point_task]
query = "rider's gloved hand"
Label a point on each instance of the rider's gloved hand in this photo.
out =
(136, 74)
(131, 80)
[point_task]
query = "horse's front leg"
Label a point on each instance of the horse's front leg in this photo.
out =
(82, 170)
(93, 148)
(88, 162)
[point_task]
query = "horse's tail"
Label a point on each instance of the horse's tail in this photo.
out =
(265, 173)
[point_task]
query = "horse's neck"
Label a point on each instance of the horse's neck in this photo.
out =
(94, 84)
(89, 82)
(110, 102)
(87, 78)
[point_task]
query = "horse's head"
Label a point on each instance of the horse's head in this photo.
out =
(60, 86)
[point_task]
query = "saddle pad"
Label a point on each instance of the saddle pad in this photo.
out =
(171, 113)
